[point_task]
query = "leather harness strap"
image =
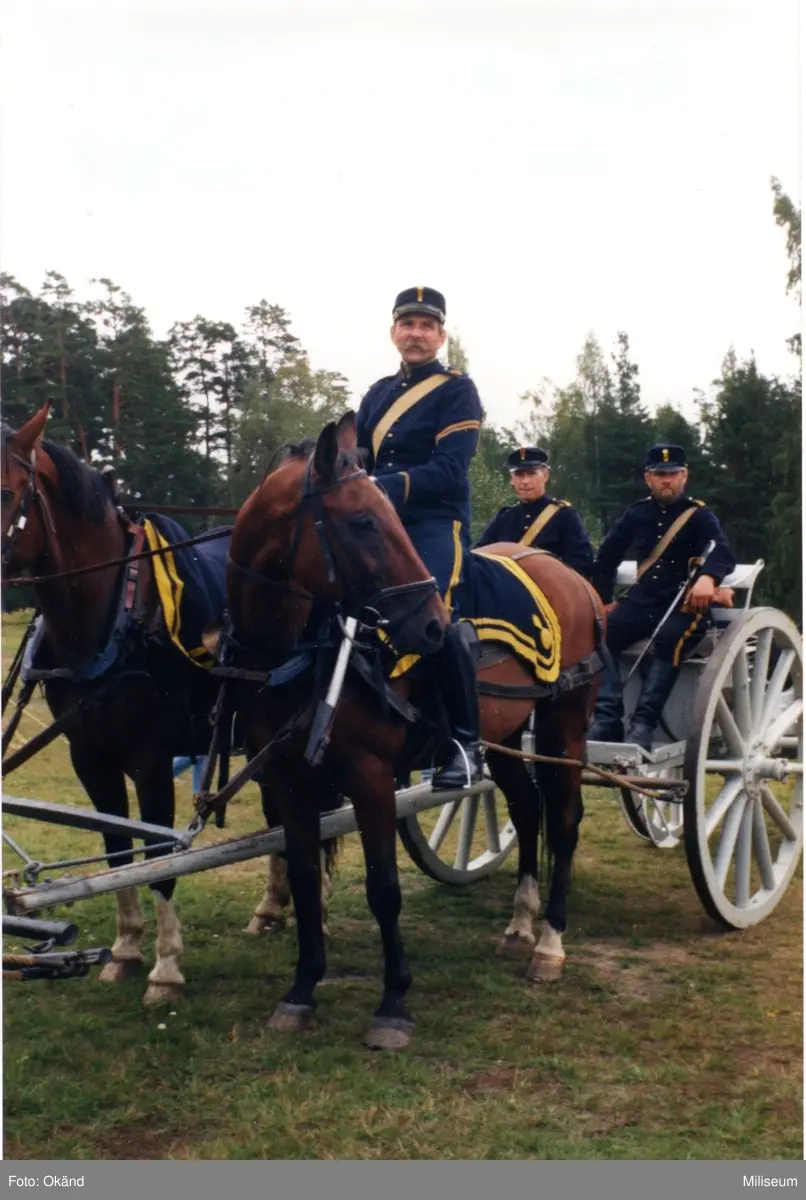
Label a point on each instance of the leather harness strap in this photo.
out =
(664, 543)
(402, 405)
(539, 524)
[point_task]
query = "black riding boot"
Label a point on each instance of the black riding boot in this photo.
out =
(455, 676)
(608, 716)
(655, 691)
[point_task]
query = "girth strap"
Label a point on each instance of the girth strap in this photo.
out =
(569, 680)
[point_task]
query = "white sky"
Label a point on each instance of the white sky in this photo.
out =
(553, 167)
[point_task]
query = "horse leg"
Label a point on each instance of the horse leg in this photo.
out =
(524, 804)
(372, 788)
(270, 912)
(106, 787)
(560, 734)
(301, 823)
(153, 781)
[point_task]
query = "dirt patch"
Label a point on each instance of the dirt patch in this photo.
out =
(631, 971)
(492, 1081)
(137, 1143)
(511, 1079)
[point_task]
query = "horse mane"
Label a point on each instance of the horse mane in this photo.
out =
(83, 489)
(295, 450)
(299, 451)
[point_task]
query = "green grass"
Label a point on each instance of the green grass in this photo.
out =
(665, 1039)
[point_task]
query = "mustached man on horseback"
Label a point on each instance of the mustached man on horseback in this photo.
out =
(420, 429)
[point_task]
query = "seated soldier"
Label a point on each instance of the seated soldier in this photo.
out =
(669, 531)
(420, 429)
(540, 520)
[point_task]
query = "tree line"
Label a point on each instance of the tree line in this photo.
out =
(195, 418)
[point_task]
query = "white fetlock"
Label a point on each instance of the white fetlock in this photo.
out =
(519, 938)
(548, 960)
(127, 955)
(166, 981)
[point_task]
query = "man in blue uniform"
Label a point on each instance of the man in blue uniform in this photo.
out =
(420, 429)
(669, 532)
(540, 520)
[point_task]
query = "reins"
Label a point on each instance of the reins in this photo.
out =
(29, 580)
(424, 588)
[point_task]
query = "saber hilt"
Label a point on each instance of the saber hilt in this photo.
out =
(693, 569)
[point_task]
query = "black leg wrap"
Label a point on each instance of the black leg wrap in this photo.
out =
(454, 674)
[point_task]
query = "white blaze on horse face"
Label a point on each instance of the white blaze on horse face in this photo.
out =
(527, 909)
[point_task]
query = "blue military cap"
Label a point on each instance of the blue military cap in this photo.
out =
(665, 458)
(420, 300)
(526, 457)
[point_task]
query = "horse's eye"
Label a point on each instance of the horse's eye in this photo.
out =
(6, 495)
(362, 525)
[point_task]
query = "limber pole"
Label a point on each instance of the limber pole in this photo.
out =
(188, 862)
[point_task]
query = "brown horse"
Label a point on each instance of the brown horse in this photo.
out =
(318, 532)
(59, 516)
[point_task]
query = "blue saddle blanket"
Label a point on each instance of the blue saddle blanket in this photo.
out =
(191, 582)
(505, 605)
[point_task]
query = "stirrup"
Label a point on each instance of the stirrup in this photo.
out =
(468, 780)
(463, 753)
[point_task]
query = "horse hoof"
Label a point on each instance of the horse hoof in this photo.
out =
(291, 1018)
(260, 925)
(163, 993)
(515, 945)
(118, 969)
(389, 1033)
(545, 968)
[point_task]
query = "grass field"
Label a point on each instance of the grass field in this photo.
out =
(665, 1039)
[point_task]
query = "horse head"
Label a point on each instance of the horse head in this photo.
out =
(326, 529)
(23, 540)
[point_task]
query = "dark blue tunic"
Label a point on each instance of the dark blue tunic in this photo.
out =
(422, 461)
(563, 535)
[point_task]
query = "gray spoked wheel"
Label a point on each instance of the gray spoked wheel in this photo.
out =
(657, 822)
(743, 815)
(662, 818)
(461, 842)
(630, 805)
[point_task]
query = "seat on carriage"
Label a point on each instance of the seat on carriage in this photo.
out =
(675, 719)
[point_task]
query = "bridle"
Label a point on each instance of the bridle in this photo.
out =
(20, 519)
(367, 608)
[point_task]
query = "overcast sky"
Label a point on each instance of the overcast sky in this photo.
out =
(553, 167)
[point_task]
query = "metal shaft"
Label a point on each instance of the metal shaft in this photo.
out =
(683, 589)
(340, 670)
(189, 862)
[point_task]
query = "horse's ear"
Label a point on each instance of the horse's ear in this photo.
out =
(28, 437)
(346, 434)
(109, 476)
(326, 453)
